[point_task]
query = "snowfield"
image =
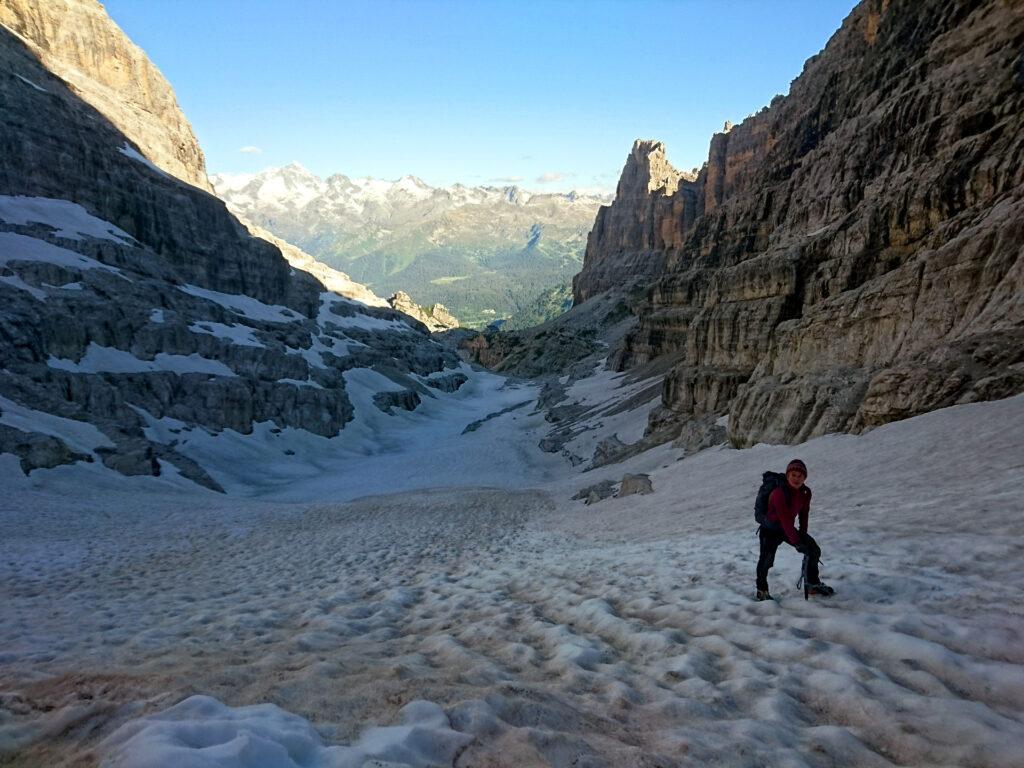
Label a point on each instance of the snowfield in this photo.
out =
(425, 597)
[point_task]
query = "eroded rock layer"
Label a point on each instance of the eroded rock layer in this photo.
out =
(850, 255)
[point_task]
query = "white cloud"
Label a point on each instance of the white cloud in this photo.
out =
(553, 176)
(250, 150)
(508, 179)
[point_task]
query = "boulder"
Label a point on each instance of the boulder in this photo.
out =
(632, 484)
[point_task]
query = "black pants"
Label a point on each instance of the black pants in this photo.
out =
(771, 537)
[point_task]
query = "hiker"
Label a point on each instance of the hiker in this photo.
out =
(788, 499)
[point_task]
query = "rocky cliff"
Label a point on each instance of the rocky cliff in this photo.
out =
(78, 42)
(850, 255)
(654, 204)
(436, 317)
(139, 320)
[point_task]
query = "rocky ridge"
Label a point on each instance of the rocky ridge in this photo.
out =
(141, 320)
(850, 255)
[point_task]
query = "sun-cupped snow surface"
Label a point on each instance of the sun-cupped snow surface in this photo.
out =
(243, 305)
(15, 247)
(201, 731)
(70, 220)
(98, 359)
(538, 631)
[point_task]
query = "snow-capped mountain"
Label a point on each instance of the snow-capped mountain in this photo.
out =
(483, 251)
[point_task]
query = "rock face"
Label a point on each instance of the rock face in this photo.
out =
(653, 204)
(139, 318)
(77, 41)
(850, 255)
(436, 317)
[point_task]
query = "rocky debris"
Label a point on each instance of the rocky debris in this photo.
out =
(699, 434)
(597, 492)
(36, 450)
(635, 484)
(405, 399)
(475, 425)
(538, 354)
(572, 343)
(608, 451)
(436, 317)
(449, 382)
(851, 254)
(79, 43)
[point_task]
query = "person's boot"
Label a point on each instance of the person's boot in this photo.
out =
(762, 594)
(821, 589)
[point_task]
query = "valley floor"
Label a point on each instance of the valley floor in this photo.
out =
(491, 623)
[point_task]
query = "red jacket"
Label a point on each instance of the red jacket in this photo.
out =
(785, 514)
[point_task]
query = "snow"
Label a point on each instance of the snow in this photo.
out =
(99, 359)
(156, 316)
(231, 182)
(244, 305)
(29, 82)
(79, 435)
(372, 452)
(410, 594)
(605, 394)
(242, 335)
(21, 285)
(129, 151)
(14, 248)
(204, 733)
(312, 354)
(358, 320)
(70, 220)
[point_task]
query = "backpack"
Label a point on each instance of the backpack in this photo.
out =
(769, 482)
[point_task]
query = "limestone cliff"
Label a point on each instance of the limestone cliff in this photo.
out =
(436, 317)
(139, 318)
(80, 43)
(654, 203)
(850, 255)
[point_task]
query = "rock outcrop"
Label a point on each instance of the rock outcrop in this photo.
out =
(850, 255)
(78, 42)
(436, 317)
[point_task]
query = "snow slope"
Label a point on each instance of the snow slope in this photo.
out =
(545, 632)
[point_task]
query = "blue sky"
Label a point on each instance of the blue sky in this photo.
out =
(549, 95)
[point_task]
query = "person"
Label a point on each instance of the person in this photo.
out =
(788, 503)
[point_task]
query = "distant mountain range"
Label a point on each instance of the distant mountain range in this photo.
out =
(486, 253)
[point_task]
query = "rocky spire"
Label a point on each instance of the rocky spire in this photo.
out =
(646, 171)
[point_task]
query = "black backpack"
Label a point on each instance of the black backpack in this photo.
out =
(769, 482)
